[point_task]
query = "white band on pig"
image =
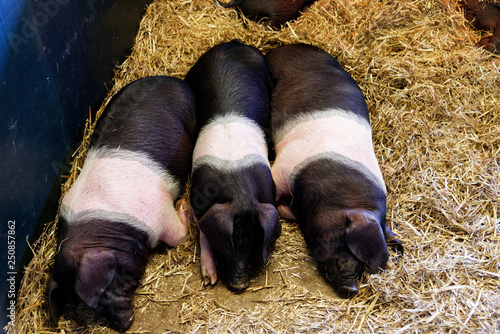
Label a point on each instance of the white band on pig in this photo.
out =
(279, 134)
(338, 159)
(96, 214)
(230, 137)
(124, 182)
(230, 165)
(333, 130)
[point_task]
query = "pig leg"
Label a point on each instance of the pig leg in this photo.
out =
(283, 193)
(177, 224)
(182, 208)
(285, 212)
(207, 258)
(283, 205)
(391, 240)
(208, 270)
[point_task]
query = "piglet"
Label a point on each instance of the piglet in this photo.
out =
(232, 191)
(485, 15)
(326, 173)
(273, 12)
(122, 202)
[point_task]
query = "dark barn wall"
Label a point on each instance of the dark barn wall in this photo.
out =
(56, 61)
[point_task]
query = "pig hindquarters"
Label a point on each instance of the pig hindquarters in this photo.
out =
(326, 172)
(232, 192)
(274, 12)
(122, 203)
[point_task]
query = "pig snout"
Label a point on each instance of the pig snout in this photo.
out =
(239, 275)
(341, 268)
(344, 277)
(252, 231)
(117, 303)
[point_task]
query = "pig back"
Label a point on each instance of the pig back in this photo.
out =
(308, 79)
(318, 112)
(153, 115)
(231, 78)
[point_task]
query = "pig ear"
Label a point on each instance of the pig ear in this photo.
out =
(366, 241)
(269, 220)
(97, 269)
(57, 300)
(217, 225)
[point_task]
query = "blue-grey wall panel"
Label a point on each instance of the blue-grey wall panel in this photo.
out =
(56, 60)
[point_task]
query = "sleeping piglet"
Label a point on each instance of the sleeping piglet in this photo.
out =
(326, 173)
(232, 191)
(122, 202)
(273, 12)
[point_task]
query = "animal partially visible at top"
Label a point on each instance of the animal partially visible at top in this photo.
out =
(485, 15)
(272, 12)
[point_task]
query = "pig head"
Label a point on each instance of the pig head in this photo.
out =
(94, 266)
(344, 242)
(237, 222)
(235, 234)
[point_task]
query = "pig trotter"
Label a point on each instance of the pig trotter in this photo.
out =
(208, 269)
(179, 221)
(230, 4)
(391, 240)
(283, 206)
(347, 291)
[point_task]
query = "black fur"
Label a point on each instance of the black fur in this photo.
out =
(237, 254)
(308, 79)
(231, 77)
(244, 187)
(153, 115)
(273, 12)
(319, 186)
(320, 200)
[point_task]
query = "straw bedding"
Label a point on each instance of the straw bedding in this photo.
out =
(435, 111)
